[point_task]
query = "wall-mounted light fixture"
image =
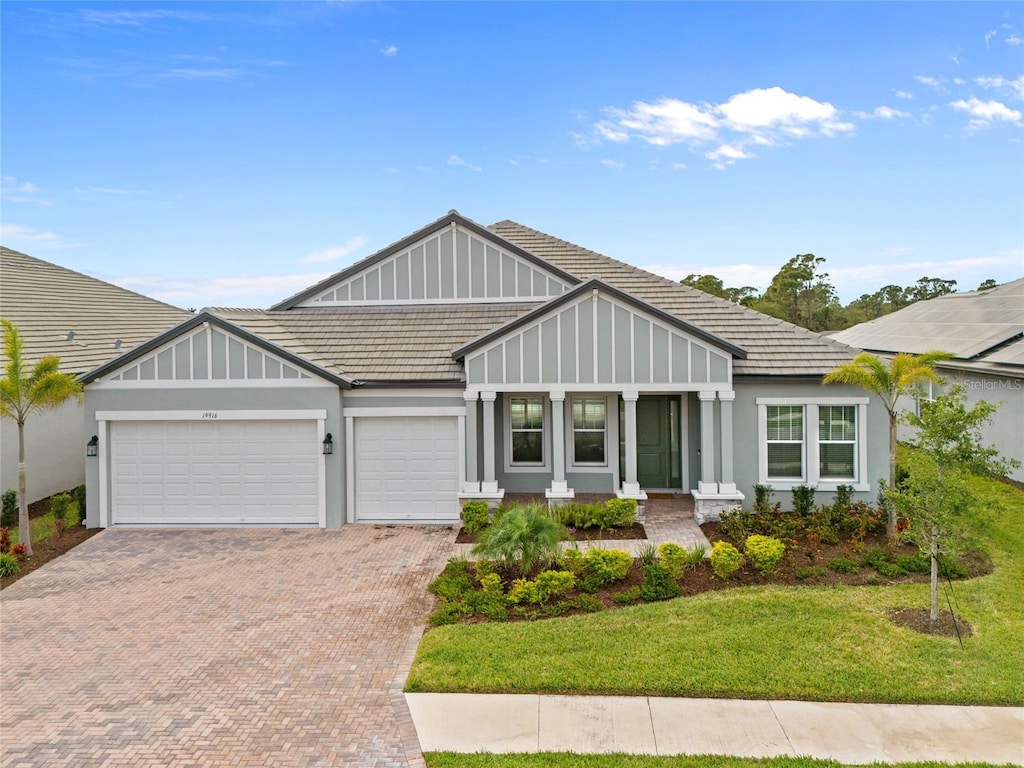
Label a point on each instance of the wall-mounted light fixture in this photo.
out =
(328, 444)
(92, 448)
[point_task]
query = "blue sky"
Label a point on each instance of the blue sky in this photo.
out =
(230, 154)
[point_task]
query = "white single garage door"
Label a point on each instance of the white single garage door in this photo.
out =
(215, 472)
(406, 469)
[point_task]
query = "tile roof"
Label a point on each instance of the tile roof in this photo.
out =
(48, 302)
(774, 347)
(415, 342)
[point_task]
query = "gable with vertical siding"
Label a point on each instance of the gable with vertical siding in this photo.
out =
(450, 265)
(597, 338)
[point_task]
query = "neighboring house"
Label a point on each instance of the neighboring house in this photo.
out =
(84, 322)
(985, 332)
(464, 362)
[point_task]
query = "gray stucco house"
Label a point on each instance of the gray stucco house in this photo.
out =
(984, 331)
(463, 362)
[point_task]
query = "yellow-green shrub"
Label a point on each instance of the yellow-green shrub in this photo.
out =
(725, 559)
(764, 552)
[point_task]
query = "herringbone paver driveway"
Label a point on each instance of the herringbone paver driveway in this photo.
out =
(218, 647)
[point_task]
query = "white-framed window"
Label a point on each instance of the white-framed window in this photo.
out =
(815, 441)
(925, 393)
(590, 431)
(785, 442)
(526, 431)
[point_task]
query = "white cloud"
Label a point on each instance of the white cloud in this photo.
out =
(931, 82)
(112, 191)
(122, 19)
(867, 275)
(678, 166)
(904, 95)
(612, 164)
(213, 73)
(959, 81)
(998, 82)
(19, 236)
(243, 290)
(737, 275)
(460, 163)
(23, 192)
(989, 35)
(390, 50)
(761, 116)
(983, 113)
(1013, 40)
(333, 254)
(882, 113)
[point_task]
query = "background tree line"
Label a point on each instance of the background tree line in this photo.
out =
(801, 293)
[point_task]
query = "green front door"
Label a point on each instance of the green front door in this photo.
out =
(658, 463)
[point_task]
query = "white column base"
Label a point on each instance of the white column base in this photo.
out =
(493, 499)
(703, 487)
(727, 488)
(709, 507)
(468, 488)
(490, 487)
(632, 491)
(553, 494)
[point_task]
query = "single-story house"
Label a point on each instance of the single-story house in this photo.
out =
(463, 362)
(984, 330)
(84, 322)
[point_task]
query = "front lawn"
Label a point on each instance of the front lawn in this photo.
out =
(565, 760)
(814, 643)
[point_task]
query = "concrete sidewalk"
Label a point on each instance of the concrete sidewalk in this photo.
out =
(849, 733)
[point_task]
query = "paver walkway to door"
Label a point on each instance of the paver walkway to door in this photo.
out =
(234, 647)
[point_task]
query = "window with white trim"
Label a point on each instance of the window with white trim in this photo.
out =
(837, 442)
(589, 430)
(785, 438)
(817, 441)
(527, 430)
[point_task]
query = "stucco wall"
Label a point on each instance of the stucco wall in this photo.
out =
(54, 451)
(328, 398)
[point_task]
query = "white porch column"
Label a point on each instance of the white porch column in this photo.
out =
(469, 437)
(489, 484)
(707, 482)
(630, 485)
(559, 487)
(727, 485)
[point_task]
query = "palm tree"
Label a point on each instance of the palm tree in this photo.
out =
(24, 391)
(902, 376)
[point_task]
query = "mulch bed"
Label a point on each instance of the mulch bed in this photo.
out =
(919, 620)
(49, 548)
(634, 531)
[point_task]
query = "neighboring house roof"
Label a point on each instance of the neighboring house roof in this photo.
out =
(83, 321)
(984, 330)
(415, 343)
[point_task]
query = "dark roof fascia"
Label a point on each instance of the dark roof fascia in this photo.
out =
(760, 378)
(205, 316)
(409, 384)
(600, 285)
(406, 242)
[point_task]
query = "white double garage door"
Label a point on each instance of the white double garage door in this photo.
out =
(269, 472)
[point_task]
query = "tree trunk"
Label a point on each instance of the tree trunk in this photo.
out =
(24, 534)
(935, 578)
(890, 524)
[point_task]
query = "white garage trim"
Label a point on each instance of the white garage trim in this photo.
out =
(105, 453)
(356, 417)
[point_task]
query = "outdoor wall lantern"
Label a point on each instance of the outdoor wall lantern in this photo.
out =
(92, 448)
(328, 444)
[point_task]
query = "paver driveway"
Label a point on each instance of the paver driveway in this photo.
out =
(228, 647)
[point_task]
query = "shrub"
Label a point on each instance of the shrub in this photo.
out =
(627, 596)
(859, 519)
(763, 498)
(919, 562)
(843, 565)
(764, 552)
(5, 539)
(475, 516)
(843, 497)
(950, 568)
(8, 564)
(621, 512)
(889, 570)
(672, 558)
(61, 507)
(523, 538)
(455, 582)
(9, 515)
(647, 553)
(547, 585)
(449, 613)
(601, 567)
(80, 500)
(740, 524)
(803, 500)
(809, 572)
(658, 584)
(725, 559)
(874, 557)
(491, 584)
(19, 551)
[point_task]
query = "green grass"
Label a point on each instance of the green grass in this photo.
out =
(813, 643)
(566, 760)
(42, 527)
